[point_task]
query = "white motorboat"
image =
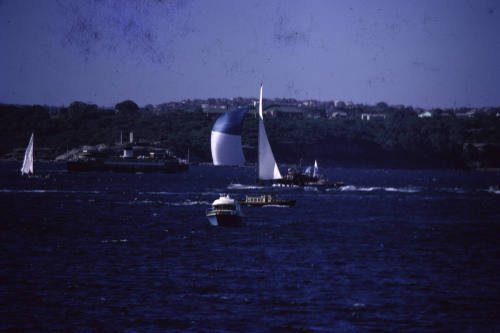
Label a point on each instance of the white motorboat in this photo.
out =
(225, 212)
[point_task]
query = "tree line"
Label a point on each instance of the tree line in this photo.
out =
(401, 140)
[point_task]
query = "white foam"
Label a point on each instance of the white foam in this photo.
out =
(456, 190)
(408, 189)
(310, 189)
(493, 189)
(104, 241)
(142, 201)
(161, 193)
(402, 189)
(369, 189)
(179, 193)
(356, 188)
(136, 201)
(187, 203)
(210, 193)
(243, 187)
(45, 191)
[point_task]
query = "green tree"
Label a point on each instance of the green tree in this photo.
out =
(127, 106)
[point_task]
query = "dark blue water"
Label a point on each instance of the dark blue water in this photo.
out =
(392, 251)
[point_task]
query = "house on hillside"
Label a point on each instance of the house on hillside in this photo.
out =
(425, 114)
(216, 108)
(373, 116)
(334, 113)
(315, 113)
(467, 114)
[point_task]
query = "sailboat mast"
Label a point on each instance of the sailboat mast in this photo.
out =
(258, 136)
(32, 153)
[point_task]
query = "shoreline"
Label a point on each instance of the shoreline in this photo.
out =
(286, 166)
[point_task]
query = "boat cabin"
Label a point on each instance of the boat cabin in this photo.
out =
(225, 203)
(266, 198)
(224, 207)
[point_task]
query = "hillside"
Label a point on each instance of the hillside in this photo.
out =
(400, 140)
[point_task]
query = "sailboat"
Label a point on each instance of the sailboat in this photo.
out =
(226, 143)
(27, 168)
(267, 166)
(227, 150)
(310, 177)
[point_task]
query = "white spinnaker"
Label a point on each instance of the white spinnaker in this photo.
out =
(226, 149)
(268, 169)
(27, 167)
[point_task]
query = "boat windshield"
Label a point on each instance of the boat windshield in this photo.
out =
(225, 207)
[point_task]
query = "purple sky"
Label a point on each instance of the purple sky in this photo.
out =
(420, 53)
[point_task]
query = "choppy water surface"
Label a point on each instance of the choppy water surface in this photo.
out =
(392, 250)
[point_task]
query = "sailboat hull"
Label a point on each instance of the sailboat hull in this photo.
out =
(303, 180)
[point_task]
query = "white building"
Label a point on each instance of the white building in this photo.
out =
(426, 114)
(373, 116)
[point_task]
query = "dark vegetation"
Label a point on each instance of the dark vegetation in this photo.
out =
(401, 140)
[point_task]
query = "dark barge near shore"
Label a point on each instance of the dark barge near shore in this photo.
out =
(118, 164)
(91, 160)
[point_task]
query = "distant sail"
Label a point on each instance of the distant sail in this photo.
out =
(226, 138)
(315, 172)
(27, 167)
(268, 169)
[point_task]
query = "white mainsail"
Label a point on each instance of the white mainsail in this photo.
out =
(27, 167)
(315, 172)
(268, 169)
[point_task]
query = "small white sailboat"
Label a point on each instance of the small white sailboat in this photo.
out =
(27, 168)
